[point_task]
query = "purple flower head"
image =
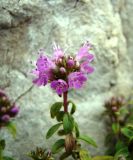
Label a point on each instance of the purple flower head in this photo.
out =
(41, 80)
(83, 53)
(58, 53)
(86, 68)
(60, 86)
(14, 111)
(76, 80)
(5, 118)
(64, 72)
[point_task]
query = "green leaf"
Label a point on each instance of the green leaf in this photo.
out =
(109, 138)
(64, 155)
(52, 130)
(58, 146)
(127, 132)
(84, 155)
(123, 111)
(2, 144)
(12, 129)
(76, 129)
(88, 140)
(60, 115)
(129, 125)
(55, 108)
(103, 158)
(130, 102)
(119, 145)
(68, 123)
(116, 128)
(117, 113)
(8, 158)
(73, 109)
(122, 152)
(61, 132)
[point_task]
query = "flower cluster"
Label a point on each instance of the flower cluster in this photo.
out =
(113, 106)
(115, 103)
(63, 72)
(7, 109)
(41, 154)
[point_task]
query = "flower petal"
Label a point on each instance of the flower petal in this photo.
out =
(44, 63)
(76, 80)
(86, 68)
(83, 53)
(58, 53)
(60, 86)
(42, 80)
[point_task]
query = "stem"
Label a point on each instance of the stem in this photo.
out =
(65, 102)
(1, 152)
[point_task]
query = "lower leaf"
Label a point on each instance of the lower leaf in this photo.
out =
(58, 146)
(88, 140)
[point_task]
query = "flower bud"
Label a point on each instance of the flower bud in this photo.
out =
(5, 118)
(70, 63)
(2, 94)
(62, 70)
(14, 111)
(114, 108)
(121, 100)
(77, 64)
(114, 101)
(3, 109)
(60, 60)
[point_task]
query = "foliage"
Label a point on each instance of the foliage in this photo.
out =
(67, 127)
(8, 110)
(120, 128)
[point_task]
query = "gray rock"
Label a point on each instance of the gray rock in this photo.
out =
(26, 26)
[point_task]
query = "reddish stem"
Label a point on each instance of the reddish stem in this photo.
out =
(65, 102)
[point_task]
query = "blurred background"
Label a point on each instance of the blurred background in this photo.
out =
(28, 25)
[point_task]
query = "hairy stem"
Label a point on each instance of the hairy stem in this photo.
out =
(65, 102)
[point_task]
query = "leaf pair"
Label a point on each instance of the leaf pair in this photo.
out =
(55, 108)
(68, 125)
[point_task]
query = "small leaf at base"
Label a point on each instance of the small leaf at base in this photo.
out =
(52, 130)
(88, 140)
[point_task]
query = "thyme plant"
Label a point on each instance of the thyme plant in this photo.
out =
(65, 72)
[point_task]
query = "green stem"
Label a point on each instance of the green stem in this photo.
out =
(65, 101)
(1, 152)
(119, 132)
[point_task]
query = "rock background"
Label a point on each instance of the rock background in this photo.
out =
(28, 25)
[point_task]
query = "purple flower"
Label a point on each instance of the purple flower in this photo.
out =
(83, 53)
(76, 80)
(86, 68)
(42, 80)
(58, 53)
(57, 69)
(60, 86)
(43, 70)
(5, 118)
(44, 64)
(14, 111)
